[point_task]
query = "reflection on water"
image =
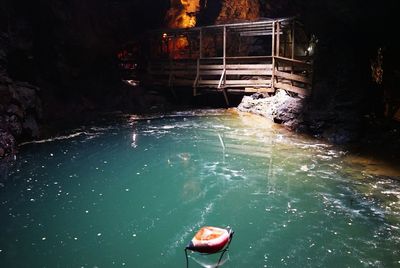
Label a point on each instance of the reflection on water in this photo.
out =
(133, 194)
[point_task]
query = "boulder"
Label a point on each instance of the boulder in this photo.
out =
(280, 108)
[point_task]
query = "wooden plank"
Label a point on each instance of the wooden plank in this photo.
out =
(211, 66)
(298, 62)
(293, 77)
(234, 72)
(248, 82)
(236, 66)
(249, 72)
(248, 57)
(262, 89)
(235, 82)
(210, 72)
(299, 90)
(248, 66)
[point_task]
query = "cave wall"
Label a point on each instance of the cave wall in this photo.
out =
(58, 60)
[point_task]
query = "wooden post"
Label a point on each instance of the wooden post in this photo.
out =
(224, 53)
(292, 66)
(224, 70)
(285, 45)
(278, 29)
(293, 25)
(273, 57)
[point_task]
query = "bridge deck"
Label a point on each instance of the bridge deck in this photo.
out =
(198, 58)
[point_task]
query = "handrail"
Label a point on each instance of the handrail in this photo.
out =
(292, 60)
(265, 21)
(248, 57)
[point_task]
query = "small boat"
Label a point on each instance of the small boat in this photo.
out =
(210, 239)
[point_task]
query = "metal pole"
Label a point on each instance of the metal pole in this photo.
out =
(224, 48)
(224, 70)
(273, 57)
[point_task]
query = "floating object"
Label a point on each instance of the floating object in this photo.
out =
(210, 240)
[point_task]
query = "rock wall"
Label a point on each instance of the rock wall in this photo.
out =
(240, 10)
(20, 106)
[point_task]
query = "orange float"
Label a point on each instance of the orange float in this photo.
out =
(210, 239)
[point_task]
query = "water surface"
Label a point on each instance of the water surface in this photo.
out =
(132, 194)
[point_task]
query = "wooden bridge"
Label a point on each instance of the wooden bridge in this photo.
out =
(259, 56)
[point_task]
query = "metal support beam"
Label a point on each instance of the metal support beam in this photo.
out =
(223, 77)
(224, 48)
(273, 57)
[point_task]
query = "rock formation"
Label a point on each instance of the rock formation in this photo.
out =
(280, 108)
(20, 106)
(240, 10)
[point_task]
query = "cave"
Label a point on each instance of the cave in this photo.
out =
(124, 121)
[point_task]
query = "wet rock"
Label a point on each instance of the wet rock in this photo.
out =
(280, 108)
(20, 107)
(338, 135)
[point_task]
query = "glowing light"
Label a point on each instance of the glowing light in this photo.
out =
(182, 13)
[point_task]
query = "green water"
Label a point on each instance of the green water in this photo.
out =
(132, 194)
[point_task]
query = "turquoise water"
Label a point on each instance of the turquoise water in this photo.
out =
(132, 194)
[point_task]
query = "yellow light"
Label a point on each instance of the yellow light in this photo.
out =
(182, 13)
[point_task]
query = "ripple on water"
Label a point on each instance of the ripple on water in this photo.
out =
(291, 200)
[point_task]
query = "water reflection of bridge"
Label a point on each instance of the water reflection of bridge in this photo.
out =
(259, 56)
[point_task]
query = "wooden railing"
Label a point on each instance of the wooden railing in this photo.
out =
(251, 73)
